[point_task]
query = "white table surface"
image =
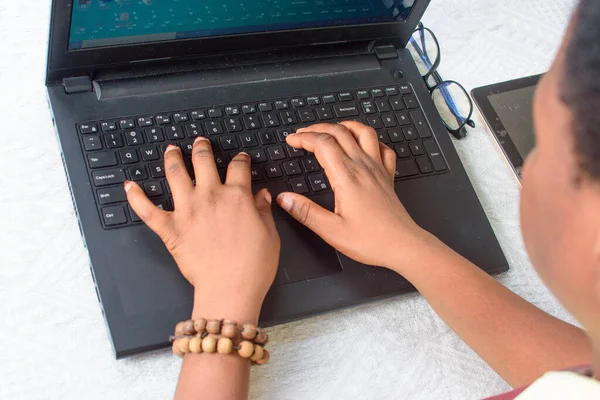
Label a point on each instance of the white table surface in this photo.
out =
(53, 340)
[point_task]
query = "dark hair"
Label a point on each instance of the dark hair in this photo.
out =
(580, 89)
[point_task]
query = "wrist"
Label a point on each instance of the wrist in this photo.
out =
(415, 254)
(224, 306)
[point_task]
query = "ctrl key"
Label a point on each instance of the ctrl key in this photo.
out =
(114, 215)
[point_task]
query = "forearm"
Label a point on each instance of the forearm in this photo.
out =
(518, 340)
(217, 376)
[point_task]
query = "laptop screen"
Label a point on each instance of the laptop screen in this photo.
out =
(101, 23)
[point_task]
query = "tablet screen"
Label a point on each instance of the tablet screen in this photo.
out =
(515, 111)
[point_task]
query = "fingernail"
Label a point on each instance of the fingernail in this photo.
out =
(243, 153)
(268, 197)
(170, 148)
(200, 138)
(128, 185)
(285, 202)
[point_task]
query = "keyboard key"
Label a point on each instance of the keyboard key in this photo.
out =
(402, 150)
(266, 138)
(383, 105)
(128, 156)
(292, 168)
(276, 153)
(395, 135)
(252, 122)
(88, 128)
(162, 119)
(248, 140)
(134, 217)
(114, 215)
(101, 160)
(153, 189)
(416, 148)
(391, 91)
(410, 101)
(92, 143)
(397, 104)
(133, 138)
(307, 116)
(329, 99)
(324, 113)
(363, 94)
(435, 155)
(149, 153)
(298, 103)
(424, 165)
(233, 125)
(163, 204)
(346, 110)
(229, 143)
(157, 170)
(282, 133)
(213, 127)
(293, 152)
(108, 126)
(258, 156)
(405, 89)
(220, 161)
(127, 123)
(368, 107)
(145, 121)
(263, 107)
(154, 135)
(406, 168)
(388, 121)
(311, 164)
(347, 96)
(377, 93)
(198, 115)
(137, 173)
(288, 117)
(273, 171)
(186, 147)
(174, 132)
(374, 122)
(270, 120)
(232, 111)
(313, 101)
(317, 182)
(402, 118)
(180, 117)
(113, 140)
(409, 133)
(108, 177)
(418, 119)
(193, 129)
(383, 137)
(299, 185)
(248, 109)
(282, 105)
(215, 113)
(111, 195)
(257, 174)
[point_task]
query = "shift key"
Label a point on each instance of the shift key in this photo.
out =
(108, 177)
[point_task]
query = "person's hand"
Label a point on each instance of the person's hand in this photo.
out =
(221, 236)
(370, 224)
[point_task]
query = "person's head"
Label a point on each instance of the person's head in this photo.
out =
(560, 205)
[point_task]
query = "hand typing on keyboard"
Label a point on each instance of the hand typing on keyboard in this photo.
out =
(221, 236)
(370, 223)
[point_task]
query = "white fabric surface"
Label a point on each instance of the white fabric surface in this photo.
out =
(53, 341)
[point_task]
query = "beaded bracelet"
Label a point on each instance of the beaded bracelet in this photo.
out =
(221, 336)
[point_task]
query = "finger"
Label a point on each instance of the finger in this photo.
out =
(343, 136)
(334, 160)
(321, 221)
(238, 171)
(156, 219)
(388, 156)
(205, 168)
(177, 175)
(366, 138)
(263, 201)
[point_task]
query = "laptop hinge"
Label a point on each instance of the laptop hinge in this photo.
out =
(386, 52)
(78, 84)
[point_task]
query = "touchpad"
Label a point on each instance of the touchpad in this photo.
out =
(304, 255)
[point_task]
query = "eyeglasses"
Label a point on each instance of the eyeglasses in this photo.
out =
(450, 98)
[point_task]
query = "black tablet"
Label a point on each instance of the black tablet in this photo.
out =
(507, 108)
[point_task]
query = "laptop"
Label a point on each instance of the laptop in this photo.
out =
(126, 78)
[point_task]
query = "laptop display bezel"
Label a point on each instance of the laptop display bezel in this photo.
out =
(63, 62)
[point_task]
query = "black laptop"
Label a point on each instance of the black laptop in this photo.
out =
(126, 78)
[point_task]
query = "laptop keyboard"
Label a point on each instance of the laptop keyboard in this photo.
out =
(132, 147)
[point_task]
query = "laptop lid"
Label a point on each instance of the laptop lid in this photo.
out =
(92, 35)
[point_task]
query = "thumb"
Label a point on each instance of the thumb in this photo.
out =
(263, 201)
(316, 218)
(156, 219)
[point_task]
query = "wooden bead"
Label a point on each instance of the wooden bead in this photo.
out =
(200, 325)
(176, 350)
(188, 327)
(179, 329)
(182, 344)
(258, 353)
(249, 331)
(261, 337)
(229, 329)
(246, 349)
(265, 358)
(224, 346)
(196, 345)
(209, 344)
(214, 326)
